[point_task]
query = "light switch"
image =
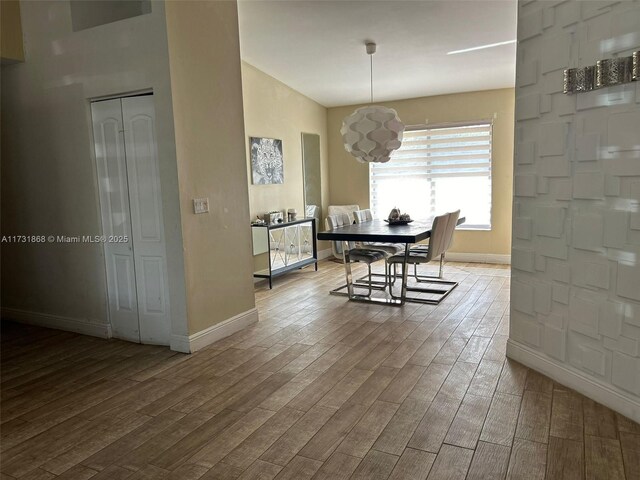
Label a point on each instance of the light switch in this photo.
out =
(200, 205)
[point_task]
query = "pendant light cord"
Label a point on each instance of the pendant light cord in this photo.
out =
(371, 80)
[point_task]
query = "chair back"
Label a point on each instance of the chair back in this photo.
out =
(347, 209)
(451, 228)
(336, 221)
(362, 216)
(437, 241)
(336, 247)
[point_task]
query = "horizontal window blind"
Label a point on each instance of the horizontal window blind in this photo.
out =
(437, 170)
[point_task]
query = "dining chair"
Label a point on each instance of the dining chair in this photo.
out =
(336, 247)
(448, 241)
(439, 241)
(357, 254)
(366, 215)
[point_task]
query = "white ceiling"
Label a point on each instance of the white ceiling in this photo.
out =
(317, 47)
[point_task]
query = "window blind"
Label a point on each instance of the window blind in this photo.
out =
(437, 170)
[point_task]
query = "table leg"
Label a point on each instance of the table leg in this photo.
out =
(405, 267)
(347, 268)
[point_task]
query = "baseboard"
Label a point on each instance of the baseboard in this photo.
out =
(57, 322)
(199, 340)
(478, 258)
(573, 378)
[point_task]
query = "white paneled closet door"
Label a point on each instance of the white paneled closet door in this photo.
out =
(131, 205)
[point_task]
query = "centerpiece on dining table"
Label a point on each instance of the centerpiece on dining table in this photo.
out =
(397, 218)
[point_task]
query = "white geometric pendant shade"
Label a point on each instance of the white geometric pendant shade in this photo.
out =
(371, 133)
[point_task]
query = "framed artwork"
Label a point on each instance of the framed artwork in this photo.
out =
(267, 166)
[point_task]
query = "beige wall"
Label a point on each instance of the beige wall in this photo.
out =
(11, 31)
(274, 110)
(206, 87)
(349, 179)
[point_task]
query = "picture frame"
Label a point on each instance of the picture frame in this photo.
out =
(267, 163)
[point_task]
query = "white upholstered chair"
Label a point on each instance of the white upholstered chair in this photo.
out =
(354, 254)
(440, 240)
(336, 247)
(362, 216)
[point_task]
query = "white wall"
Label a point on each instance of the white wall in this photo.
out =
(575, 298)
(49, 184)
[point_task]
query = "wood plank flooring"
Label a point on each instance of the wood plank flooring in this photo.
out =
(319, 389)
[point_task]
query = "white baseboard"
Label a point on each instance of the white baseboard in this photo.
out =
(573, 378)
(57, 322)
(478, 257)
(199, 340)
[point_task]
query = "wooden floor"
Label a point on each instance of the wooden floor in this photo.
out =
(320, 388)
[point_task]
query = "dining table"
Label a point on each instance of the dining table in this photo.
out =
(380, 231)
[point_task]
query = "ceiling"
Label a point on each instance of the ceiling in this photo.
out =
(317, 47)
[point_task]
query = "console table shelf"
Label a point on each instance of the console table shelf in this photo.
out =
(290, 246)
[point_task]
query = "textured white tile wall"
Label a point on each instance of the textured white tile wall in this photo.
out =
(576, 230)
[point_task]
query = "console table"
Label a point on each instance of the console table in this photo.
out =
(290, 245)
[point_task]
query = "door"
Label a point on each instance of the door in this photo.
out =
(132, 218)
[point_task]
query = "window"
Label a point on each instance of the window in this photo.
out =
(437, 170)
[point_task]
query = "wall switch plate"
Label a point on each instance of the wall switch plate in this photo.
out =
(200, 205)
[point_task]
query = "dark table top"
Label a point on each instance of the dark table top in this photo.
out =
(381, 231)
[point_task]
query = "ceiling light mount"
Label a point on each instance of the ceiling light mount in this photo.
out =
(371, 47)
(372, 133)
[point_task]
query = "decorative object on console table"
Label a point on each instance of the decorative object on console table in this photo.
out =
(290, 245)
(273, 217)
(267, 164)
(291, 214)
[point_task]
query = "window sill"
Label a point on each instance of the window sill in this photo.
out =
(474, 229)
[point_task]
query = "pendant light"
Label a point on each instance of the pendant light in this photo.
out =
(371, 133)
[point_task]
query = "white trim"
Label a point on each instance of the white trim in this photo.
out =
(58, 322)
(478, 257)
(572, 378)
(199, 340)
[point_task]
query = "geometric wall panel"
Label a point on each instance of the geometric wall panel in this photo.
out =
(554, 342)
(523, 259)
(588, 231)
(550, 221)
(583, 316)
(576, 231)
(588, 185)
(551, 247)
(626, 372)
(525, 185)
(623, 131)
(587, 147)
(553, 139)
(628, 282)
(555, 52)
(522, 228)
(522, 297)
(615, 229)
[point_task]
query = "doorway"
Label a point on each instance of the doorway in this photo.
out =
(132, 218)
